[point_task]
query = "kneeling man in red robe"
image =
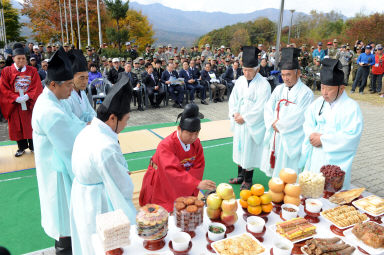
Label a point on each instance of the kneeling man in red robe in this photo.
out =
(177, 167)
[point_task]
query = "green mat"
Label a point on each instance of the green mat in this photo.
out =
(21, 231)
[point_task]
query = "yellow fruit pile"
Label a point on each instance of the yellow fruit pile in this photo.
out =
(255, 200)
(284, 188)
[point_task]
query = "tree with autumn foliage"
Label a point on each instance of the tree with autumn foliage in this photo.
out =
(366, 28)
(12, 23)
(45, 20)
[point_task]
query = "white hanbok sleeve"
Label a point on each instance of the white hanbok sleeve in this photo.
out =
(62, 129)
(233, 104)
(118, 184)
(309, 127)
(269, 109)
(89, 113)
(348, 138)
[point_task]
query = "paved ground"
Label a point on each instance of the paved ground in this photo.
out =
(367, 169)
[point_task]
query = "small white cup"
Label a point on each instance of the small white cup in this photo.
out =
(215, 236)
(255, 224)
(313, 205)
(282, 247)
(289, 215)
(180, 241)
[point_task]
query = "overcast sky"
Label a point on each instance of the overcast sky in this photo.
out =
(347, 7)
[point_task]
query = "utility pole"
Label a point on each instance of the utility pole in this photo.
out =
(290, 27)
(66, 21)
(86, 11)
(99, 21)
(61, 24)
(70, 18)
(277, 54)
(78, 23)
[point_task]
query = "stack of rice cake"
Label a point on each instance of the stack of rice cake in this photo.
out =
(295, 229)
(113, 229)
(372, 204)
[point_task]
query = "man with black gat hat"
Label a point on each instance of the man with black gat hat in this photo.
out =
(20, 86)
(246, 112)
(102, 182)
(284, 117)
(78, 101)
(333, 124)
(55, 128)
(177, 167)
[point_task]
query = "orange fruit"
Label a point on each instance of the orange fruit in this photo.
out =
(267, 208)
(255, 210)
(243, 203)
(257, 189)
(245, 194)
(253, 201)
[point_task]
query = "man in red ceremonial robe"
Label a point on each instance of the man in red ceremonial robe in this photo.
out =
(177, 167)
(20, 86)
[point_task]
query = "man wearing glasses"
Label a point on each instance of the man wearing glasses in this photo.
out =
(333, 124)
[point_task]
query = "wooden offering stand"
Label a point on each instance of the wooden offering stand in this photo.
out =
(230, 228)
(117, 251)
(296, 248)
(312, 217)
(258, 236)
(338, 231)
(328, 194)
(263, 215)
(277, 207)
(209, 247)
(154, 245)
(376, 219)
(180, 252)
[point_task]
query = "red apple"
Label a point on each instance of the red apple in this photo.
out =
(229, 205)
(214, 201)
(213, 214)
(229, 218)
(225, 191)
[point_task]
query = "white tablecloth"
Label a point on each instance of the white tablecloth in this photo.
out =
(199, 241)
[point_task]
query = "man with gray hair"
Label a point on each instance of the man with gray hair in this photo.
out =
(207, 52)
(345, 58)
(55, 128)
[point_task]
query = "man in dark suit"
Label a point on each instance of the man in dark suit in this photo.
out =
(157, 70)
(134, 82)
(210, 79)
(194, 69)
(43, 71)
(113, 74)
(192, 84)
(166, 78)
(155, 92)
(231, 75)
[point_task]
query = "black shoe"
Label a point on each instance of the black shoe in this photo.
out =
(204, 102)
(192, 102)
(175, 105)
(19, 153)
(219, 100)
(156, 106)
(140, 108)
(372, 92)
(180, 106)
(215, 100)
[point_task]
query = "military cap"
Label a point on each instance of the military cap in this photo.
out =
(172, 58)
(304, 45)
(207, 45)
(183, 48)
(109, 59)
(2, 60)
(198, 57)
(177, 62)
(317, 58)
(147, 58)
(192, 47)
(49, 45)
(312, 47)
(182, 56)
(162, 59)
(122, 60)
(160, 46)
(147, 45)
(87, 47)
(187, 56)
(136, 61)
(41, 45)
(66, 45)
(348, 48)
(103, 58)
(223, 57)
(141, 58)
(358, 48)
(194, 58)
(169, 45)
(128, 43)
(152, 47)
(93, 48)
(154, 56)
(335, 41)
(129, 59)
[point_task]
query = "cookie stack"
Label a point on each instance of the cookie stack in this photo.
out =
(189, 213)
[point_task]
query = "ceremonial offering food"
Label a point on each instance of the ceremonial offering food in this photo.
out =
(346, 197)
(255, 224)
(256, 202)
(334, 177)
(152, 222)
(370, 233)
(292, 190)
(180, 241)
(276, 185)
(292, 200)
(113, 229)
(344, 216)
(289, 211)
(374, 205)
(288, 175)
(320, 246)
(216, 231)
(296, 229)
(312, 184)
(241, 244)
(189, 216)
(282, 247)
(313, 205)
(276, 197)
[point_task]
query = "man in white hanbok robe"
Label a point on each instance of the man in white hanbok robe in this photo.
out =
(246, 113)
(102, 182)
(333, 125)
(55, 128)
(78, 101)
(284, 117)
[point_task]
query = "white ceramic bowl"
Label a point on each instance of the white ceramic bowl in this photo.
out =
(255, 224)
(313, 205)
(289, 215)
(282, 247)
(215, 236)
(180, 241)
